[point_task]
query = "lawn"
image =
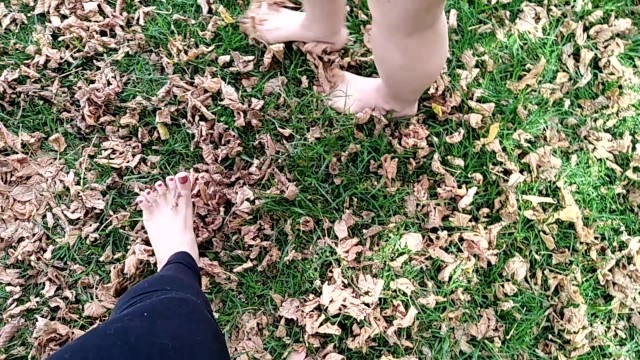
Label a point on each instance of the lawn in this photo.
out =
(501, 222)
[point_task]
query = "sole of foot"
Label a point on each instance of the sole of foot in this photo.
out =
(274, 24)
(354, 94)
(167, 215)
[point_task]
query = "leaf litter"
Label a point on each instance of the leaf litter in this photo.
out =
(452, 232)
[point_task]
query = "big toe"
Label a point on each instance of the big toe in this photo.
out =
(184, 184)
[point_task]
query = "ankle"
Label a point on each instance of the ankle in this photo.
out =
(400, 106)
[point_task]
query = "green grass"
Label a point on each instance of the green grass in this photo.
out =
(438, 333)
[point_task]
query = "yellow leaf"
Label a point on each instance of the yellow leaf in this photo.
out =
(437, 109)
(164, 132)
(226, 17)
(493, 132)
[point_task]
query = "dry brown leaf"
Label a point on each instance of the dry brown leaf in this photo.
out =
(306, 224)
(516, 268)
(467, 199)
(407, 320)
(9, 330)
(530, 79)
(57, 142)
(94, 309)
(548, 240)
(389, 167)
(275, 85)
(486, 110)
(536, 200)
(273, 50)
(412, 241)
(204, 5)
(403, 284)
(163, 116)
(456, 137)
(243, 267)
(297, 355)
(8, 140)
(329, 329)
(341, 229)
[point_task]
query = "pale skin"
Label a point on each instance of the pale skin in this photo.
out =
(167, 215)
(409, 40)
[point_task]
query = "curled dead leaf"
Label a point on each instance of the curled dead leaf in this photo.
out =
(455, 137)
(516, 268)
(57, 142)
(306, 224)
(466, 201)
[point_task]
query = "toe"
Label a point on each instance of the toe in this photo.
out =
(144, 205)
(171, 185)
(184, 184)
(150, 197)
(161, 188)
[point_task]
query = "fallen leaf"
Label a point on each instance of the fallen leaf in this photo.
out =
(493, 132)
(243, 267)
(403, 284)
(297, 355)
(407, 320)
(226, 17)
(57, 142)
(412, 241)
(163, 131)
(94, 309)
(341, 230)
(274, 85)
(466, 201)
(485, 110)
(456, 137)
(9, 330)
(516, 268)
(548, 240)
(530, 79)
(536, 200)
(329, 329)
(306, 224)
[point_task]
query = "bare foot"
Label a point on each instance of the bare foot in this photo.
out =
(168, 218)
(354, 94)
(274, 24)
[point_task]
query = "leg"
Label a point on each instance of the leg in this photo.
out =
(322, 21)
(410, 47)
(179, 276)
(166, 316)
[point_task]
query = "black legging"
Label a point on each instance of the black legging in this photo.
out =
(166, 316)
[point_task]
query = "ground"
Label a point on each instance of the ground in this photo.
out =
(501, 222)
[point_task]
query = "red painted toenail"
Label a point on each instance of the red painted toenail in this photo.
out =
(159, 184)
(183, 180)
(170, 178)
(139, 201)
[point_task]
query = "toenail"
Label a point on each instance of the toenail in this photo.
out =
(183, 179)
(148, 192)
(139, 201)
(170, 178)
(159, 184)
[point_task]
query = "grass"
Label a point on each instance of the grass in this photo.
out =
(437, 334)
